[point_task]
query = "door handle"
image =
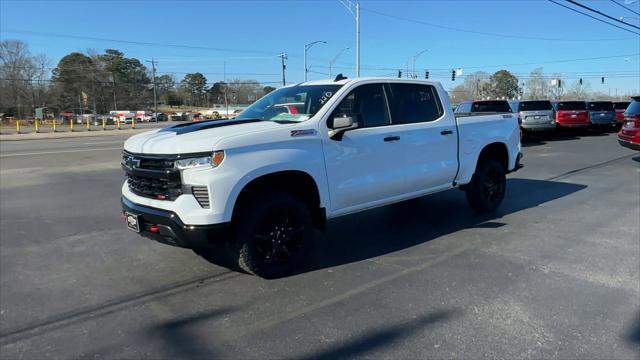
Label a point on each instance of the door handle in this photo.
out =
(392, 138)
(446, 132)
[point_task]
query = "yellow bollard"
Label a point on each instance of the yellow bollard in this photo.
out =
(133, 123)
(104, 124)
(18, 126)
(37, 128)
(71, 124)
(88, 129)
(118, 124)
(55, 122)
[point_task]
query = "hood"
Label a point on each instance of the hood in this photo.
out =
(193, 137)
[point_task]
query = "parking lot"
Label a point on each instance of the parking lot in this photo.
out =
(554, 272)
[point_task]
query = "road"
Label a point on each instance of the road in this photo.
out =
(554, 273)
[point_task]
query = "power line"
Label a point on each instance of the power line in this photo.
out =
(77, 37)
(593, 17)
(483, 32)
(601, 13)
(624, 7)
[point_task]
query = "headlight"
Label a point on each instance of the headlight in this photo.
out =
(214, 160)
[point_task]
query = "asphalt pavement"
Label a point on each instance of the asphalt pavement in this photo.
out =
(555, 272)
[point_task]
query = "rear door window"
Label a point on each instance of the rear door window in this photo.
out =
(571, 105)
(535, 105)
(414, 103)
(491, 106)
(600, 106)
(620, 105)
(633, 109)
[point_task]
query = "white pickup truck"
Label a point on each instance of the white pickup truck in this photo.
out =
(259, 185)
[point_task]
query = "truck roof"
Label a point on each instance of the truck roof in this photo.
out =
(362, 79)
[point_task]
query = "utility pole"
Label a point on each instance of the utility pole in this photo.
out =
(115, 102)
(306, 49)
(283, 57)
(155, 99)
(354, 8)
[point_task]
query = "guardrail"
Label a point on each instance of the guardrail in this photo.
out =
(38, 126)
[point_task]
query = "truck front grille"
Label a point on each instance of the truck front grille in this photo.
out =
(152, 176)
(159, 189)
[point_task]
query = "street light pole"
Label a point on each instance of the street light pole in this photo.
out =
(354, 8)
(414, 58)
(306, 49)
(334, 60)
(283, 57)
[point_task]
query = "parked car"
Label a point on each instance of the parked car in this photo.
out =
(484, 106)
(161, 117)
(534, 115)
(264, 184)
(571, 114)
(620, 107)
(629, 135)
(601, 114)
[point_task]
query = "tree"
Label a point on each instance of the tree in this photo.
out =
(267, 89)
(74, 77)
(504, 85)
(24, 79)
(557, 87)
(130, 81)
(537, 87)
(579, 91)
(164, 85)
(217, 92)
(477, 85)
(194, 87)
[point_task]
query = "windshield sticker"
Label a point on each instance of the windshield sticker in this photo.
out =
(326, 96)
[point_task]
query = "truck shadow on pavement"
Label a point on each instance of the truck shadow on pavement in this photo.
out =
(399, 226)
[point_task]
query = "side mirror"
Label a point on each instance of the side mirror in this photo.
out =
(339, 124)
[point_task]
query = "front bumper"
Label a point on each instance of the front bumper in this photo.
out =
(167, 228)
(629, 144)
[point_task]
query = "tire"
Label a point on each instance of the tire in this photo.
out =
(275, 235)
(488, 186)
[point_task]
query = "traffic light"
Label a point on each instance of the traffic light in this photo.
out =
(453, 75)
(602, 79)
(559, 83)
(426, 74)
(580, 81)
(399, 73)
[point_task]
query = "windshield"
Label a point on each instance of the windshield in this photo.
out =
(572, 105)
(295, 103)
(535, 105)
(621, 105)
(601, 106)
(491, 106)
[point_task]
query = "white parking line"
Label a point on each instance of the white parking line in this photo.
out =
(59, 152)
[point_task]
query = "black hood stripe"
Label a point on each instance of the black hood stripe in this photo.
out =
(204, 125)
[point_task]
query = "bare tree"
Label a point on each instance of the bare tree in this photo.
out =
(537, 87)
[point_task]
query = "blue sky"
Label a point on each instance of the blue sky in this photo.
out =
(252, 33)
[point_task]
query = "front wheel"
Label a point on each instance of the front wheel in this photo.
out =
(488, 186)
(274, 235)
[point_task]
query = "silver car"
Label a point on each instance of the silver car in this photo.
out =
(535, 115)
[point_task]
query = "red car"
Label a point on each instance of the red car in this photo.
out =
(571, 114)
(629, 135)
(620, 107)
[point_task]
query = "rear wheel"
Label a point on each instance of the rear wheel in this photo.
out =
(488, 186)
(274, 235)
